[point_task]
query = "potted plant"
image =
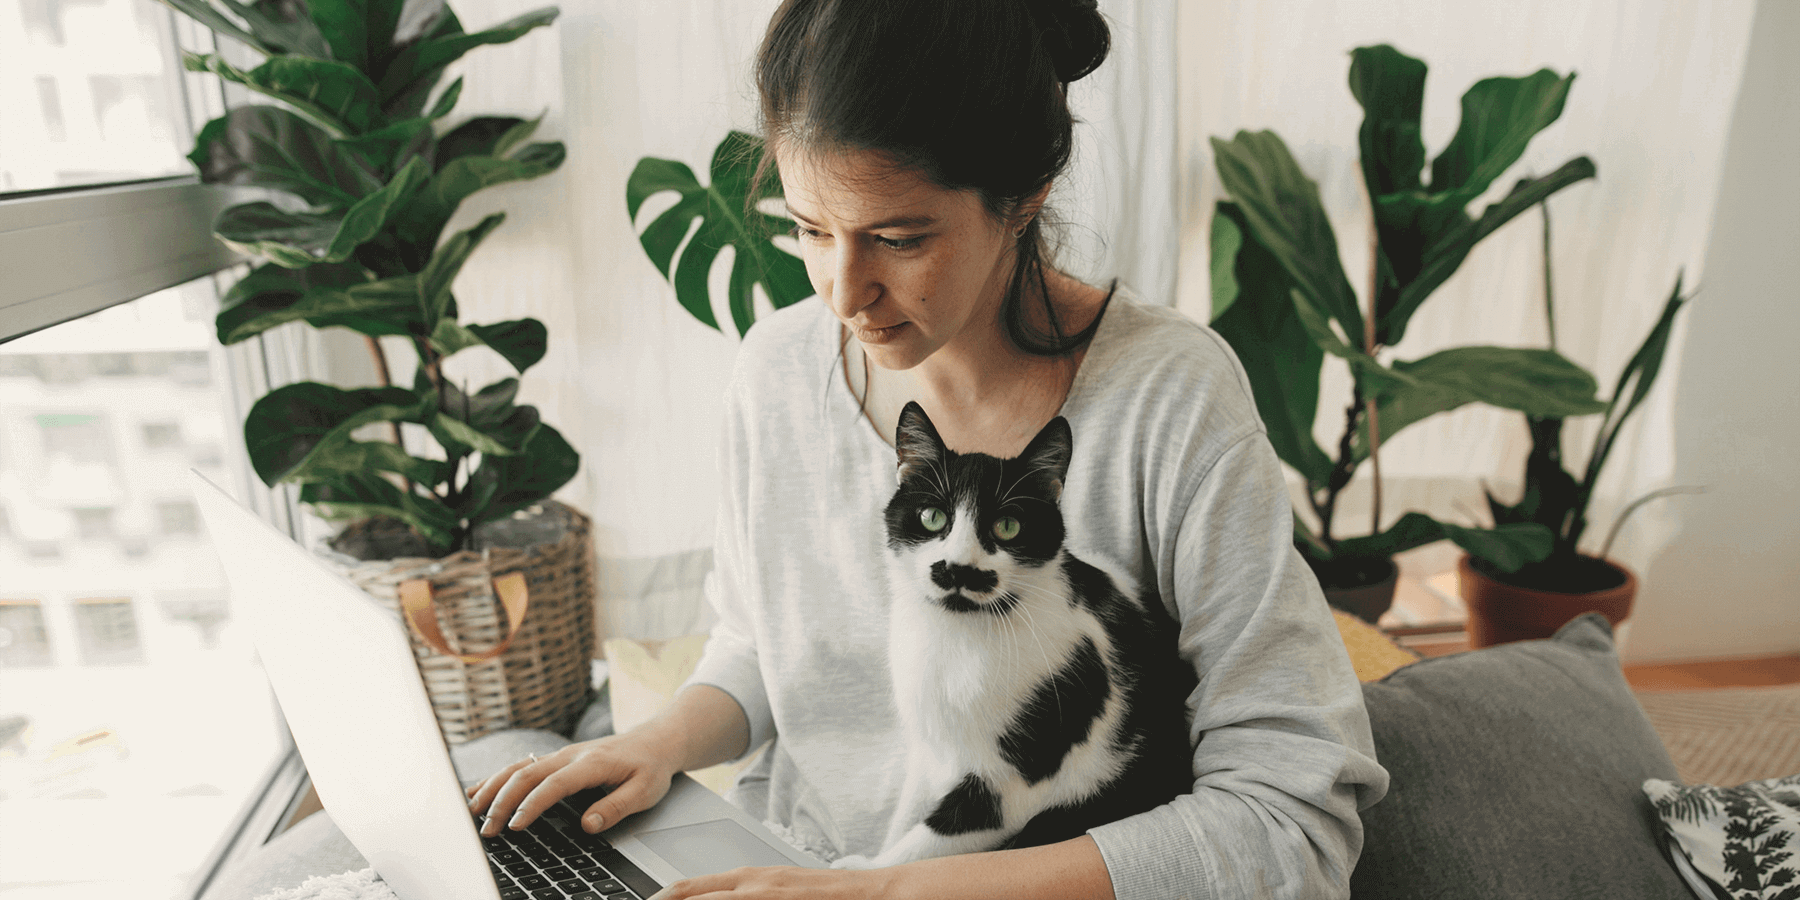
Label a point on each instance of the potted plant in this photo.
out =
(1283, 302)
(1533, 600)
(365, 180)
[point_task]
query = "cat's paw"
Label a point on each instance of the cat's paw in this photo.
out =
(854, 862)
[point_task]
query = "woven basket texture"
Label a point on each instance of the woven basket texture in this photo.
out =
(544, 679)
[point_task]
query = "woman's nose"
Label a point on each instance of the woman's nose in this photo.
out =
(853, 282)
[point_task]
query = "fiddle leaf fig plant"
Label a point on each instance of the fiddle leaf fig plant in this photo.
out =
(728, 215)
(366, 175)
(1282, 300)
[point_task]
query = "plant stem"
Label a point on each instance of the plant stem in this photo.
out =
(1370, 347)
(1341, 471)
(387, 380)
(1549, 291)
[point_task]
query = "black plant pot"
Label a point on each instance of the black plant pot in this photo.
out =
(1363, 588)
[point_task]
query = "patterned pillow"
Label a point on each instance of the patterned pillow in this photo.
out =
(1742, 840)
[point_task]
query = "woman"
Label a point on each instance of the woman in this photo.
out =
(916, 143)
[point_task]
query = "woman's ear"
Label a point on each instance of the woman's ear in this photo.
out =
(1027, 210)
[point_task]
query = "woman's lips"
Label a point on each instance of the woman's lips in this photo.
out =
(877, 335)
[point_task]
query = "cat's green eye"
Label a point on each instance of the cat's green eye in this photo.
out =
(1006, 528)
(933, 518)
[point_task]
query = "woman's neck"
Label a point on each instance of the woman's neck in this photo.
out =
(987, 394)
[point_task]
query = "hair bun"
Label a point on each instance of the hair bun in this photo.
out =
(1074, 34)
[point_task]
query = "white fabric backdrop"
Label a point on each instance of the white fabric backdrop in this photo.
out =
(634, 381)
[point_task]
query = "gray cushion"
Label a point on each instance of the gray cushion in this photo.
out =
(1517, 771)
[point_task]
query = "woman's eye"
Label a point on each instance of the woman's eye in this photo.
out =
(894, 243)
(803, 233)
(933, 518)
(1006, 528)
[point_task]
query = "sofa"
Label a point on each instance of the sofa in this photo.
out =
(1517, 772)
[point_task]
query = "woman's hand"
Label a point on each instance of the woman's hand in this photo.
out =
(637, 770)
(780, 883)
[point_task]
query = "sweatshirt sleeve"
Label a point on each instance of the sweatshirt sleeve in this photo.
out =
(731, 662)
(1283, 758)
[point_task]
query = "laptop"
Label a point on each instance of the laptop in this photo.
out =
(343, 670)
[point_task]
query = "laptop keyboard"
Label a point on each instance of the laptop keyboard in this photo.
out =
(553, 859)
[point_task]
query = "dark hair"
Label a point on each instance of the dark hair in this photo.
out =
(969, 93)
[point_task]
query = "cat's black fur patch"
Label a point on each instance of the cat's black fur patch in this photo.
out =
(971, 806)
(1058, 716)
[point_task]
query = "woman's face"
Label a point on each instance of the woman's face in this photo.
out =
(908, 266)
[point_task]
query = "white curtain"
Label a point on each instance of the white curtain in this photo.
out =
(1650, 105)
(635, 382)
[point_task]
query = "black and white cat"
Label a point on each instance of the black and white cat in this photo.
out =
(1040, 696)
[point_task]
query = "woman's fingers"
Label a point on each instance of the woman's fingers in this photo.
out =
(516, 795)
(481, 796)
(632, 795)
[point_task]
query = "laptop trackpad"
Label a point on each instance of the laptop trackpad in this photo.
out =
(710, 847)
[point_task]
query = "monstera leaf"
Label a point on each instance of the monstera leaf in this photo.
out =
(727, 216)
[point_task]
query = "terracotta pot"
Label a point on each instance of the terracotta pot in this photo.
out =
(1368, 601)
(1499, 613)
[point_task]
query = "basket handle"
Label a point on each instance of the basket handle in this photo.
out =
(416, 602)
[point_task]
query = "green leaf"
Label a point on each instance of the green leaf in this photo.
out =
(323, 295)
(1638, 376)
(296, 239)
(506, 437)
(1514, 545)
(360, 32)
(1282, 210)
(1535, 382)
(515, 482)
(446, 101)
(522, 342)
(1499, 118)
(282, 26)
(727, 216)
(1391, 88)
(204, 13)
(476, 137)
(421, 63)
(425, 215)
(392, 145)
(446, 262)
(291, 239)
(357, 495)
(303, 430)
(389, 306)
(332, 94)
(1507, 547)
(268, 146)
(1448, 248)
(1280, 358)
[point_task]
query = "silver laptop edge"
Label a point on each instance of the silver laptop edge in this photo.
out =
(343, 670)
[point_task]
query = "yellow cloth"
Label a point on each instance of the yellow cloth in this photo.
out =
(1372, 653)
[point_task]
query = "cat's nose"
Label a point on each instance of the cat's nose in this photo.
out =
(954, 577)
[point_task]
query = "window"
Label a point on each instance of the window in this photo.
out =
(108, 632)
(144, 721)
(23, 641)
(91, 89)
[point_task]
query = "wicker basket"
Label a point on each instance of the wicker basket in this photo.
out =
(541, 675)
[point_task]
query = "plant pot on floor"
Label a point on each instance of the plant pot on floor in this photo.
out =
(1362, 588)
(1501, 612)
(484, 668)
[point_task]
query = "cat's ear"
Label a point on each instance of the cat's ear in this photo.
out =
(916, 441)
(1048, 453)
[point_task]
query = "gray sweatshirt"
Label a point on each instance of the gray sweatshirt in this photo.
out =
(1172, 479)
